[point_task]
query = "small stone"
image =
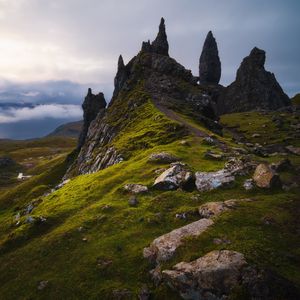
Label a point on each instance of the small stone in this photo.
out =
(162, 157)
(135, 188)
(212, 155)
(133, 201)
(42, 284)
(248, 184)
(256, 135)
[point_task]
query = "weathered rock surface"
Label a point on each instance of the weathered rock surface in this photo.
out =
(177, 176)
(254, 87)
(209, 64)
(92, 105)
(265, 177)
(212, 276)
(135, 188)
(207, 181)
(162, 157)
(164, 247)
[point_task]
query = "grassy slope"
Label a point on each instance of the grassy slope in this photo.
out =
(55, 251)
(32, 157)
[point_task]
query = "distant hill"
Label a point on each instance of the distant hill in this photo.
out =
(70, 129)
(296, 99)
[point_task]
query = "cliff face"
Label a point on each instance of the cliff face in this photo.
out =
(254, 87)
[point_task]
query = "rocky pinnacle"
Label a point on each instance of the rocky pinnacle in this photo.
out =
(160, 45)
(254, 87)
(209, 64)
(91, 106)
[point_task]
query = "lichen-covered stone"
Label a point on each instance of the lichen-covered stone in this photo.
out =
(164, 247)
(265, 177)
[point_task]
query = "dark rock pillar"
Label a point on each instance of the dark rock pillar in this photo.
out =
(209, 64)
(91, 106)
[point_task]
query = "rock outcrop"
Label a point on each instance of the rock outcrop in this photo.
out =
(209, 64)
(92, 105)
(254, 87)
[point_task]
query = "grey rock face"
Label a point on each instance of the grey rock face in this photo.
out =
(91, 106)
(209, 64)
(254, 87)
(160, 45)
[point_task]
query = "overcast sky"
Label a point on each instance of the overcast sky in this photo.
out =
(80, 40)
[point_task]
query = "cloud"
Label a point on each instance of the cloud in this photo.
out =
(40, 112)
(80, 40)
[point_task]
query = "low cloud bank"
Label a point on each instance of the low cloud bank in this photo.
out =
(39, 112)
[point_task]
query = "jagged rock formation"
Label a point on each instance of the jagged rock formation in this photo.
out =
(254, 87)
(209, 64)
(92, 105)
(151, 75)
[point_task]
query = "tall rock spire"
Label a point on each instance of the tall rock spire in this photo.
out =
(160, 45)
(91, 106)
(120, 77)
(209, 64)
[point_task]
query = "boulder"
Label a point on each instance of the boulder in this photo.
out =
(164, 247)
(211, 276)
(177, 176)
(265, 177)
(207, 181)
(209, 64)
(162, 157)
(254, 88)
(135, 188)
